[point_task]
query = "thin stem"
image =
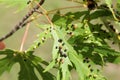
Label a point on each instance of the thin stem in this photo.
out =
(45, 12)
(25, 36)
(113, 13)
(46, 15)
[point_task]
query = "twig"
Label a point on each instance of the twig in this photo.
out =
(46, 15)
(21, 23)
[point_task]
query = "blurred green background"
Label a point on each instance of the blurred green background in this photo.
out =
(8, 19)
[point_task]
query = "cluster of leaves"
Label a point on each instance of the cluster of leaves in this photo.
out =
(80, 43)
(28, 63)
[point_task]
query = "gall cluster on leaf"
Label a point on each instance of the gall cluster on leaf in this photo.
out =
(62, 51)
(92, 70)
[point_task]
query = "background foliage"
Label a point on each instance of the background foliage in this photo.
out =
(80, 42)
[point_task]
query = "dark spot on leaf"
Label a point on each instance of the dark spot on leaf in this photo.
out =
(38, 44)
(91, 4)
(93, 29)
(87, 61)
(91, 70)
(109, 36)
(90, 76)
(84, 61)
(29, 2)
(56, 47)
(47, 28)
(61, 59)
(70, 33)
(61, 53)
(63, 44)
(104, 31)
(60, 40)
(86, 58)
(60, 27)
(118, 33)
(60, 47)
(89, 66)
(25, 60)
(67, 29)
(94, 77)
(64, 55)
(98, 70)
(98, 34)
(65, 50)
(100, 25)
(113, 42)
